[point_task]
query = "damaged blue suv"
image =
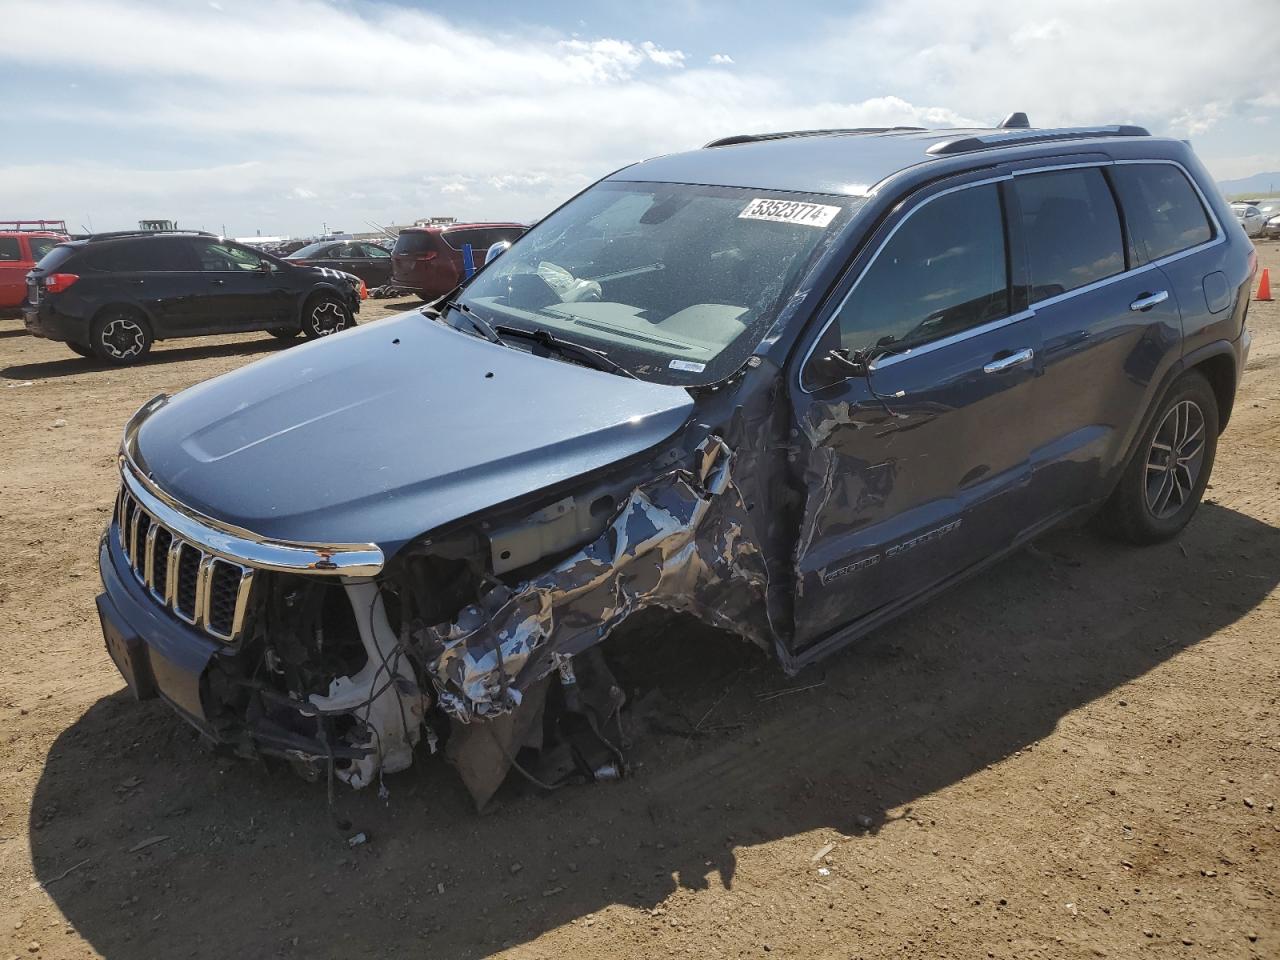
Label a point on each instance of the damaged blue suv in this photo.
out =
(788, 384)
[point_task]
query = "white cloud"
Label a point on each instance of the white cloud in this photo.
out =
(419, 115)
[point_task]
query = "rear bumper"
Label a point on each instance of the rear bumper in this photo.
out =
(45, 321)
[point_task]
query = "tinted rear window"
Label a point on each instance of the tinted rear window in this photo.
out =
(117, 257)
(415, 241)
(1072, 228)
(56, 257)
(1164, 212)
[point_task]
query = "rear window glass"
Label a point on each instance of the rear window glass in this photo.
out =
(1072, 228)
(1164, 213)
(55, 258)
(415, 241)
(118, 257)
(460, 238)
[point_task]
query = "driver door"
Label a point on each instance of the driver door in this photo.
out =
(919, 469)
(243, 290)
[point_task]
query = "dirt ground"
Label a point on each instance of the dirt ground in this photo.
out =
(1075, 755)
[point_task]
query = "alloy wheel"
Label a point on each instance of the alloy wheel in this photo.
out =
(1175, 459)
(326, 318)
(123, 338)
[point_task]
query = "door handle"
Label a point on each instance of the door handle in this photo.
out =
(1149, 300)
(1015, 359)
(216, 280)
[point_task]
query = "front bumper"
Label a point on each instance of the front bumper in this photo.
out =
(159, 655)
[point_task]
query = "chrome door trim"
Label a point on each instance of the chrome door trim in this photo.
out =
(963, 335)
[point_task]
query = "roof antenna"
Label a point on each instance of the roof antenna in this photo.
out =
(1015, 121)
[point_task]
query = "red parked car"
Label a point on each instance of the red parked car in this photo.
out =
(428, 260)
(20, 250)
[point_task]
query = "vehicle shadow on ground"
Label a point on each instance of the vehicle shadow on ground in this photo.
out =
(75, 365)
(20, 332)
(174, 851)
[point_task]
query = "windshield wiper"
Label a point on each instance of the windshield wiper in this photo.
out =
(478, 323)
(567, 348)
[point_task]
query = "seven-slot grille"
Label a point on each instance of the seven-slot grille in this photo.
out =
(203, 589)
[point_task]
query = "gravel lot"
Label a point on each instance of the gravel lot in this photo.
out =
(1075, 755)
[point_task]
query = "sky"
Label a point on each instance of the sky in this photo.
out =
(283, 117)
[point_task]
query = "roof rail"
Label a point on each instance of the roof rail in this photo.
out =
(786, 135)
(1013, 136)
(117, 234)
(34, 226)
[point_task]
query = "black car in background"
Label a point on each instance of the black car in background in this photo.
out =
(368, 261)
(112, 295)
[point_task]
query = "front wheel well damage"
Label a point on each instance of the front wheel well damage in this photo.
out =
(350, 677)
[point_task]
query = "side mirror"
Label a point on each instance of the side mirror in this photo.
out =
(496, 250)
(834, 366)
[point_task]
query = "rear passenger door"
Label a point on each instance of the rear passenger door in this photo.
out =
(1109, 330)
(918, 470)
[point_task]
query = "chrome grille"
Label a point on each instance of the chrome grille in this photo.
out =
(206, 590)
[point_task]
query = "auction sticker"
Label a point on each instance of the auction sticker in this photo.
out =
(688, 366)
(789, 211)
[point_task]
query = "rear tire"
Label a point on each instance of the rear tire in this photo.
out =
(325, 315)
(1161, 488)
(120, 337)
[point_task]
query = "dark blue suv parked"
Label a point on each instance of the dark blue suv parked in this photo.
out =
(788, 384)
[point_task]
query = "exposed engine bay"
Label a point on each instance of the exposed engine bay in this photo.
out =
(483, 641)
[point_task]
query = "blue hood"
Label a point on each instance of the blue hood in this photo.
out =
(391, 430)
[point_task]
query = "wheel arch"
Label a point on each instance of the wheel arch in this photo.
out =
(1217, 362)
(125, 307)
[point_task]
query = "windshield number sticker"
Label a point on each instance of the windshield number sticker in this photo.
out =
(789, 211)
(688, 366)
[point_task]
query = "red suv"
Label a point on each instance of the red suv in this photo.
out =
(428, 260)
(20, 250)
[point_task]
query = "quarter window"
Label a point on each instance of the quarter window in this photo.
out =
(1072, 228)
(1163, 211)
(944, 270)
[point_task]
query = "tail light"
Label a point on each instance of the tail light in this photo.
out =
(57, 282)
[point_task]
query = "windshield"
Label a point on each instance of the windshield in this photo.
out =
(675, 282)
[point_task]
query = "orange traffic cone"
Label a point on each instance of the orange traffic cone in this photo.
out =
(1264, 288)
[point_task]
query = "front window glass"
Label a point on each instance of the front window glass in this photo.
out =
(1073, 230)
(373, 250)
(943, 271)
(218, 257)
(676, 282)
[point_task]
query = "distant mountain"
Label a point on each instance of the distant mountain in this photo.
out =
(1263, 184)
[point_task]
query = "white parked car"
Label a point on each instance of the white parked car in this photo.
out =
(1270, 207)
(1250, 217)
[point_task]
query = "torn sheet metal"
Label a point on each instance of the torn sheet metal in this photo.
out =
(683, 541)
(383, 696)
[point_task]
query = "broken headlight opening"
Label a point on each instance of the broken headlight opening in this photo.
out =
(485, 640)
